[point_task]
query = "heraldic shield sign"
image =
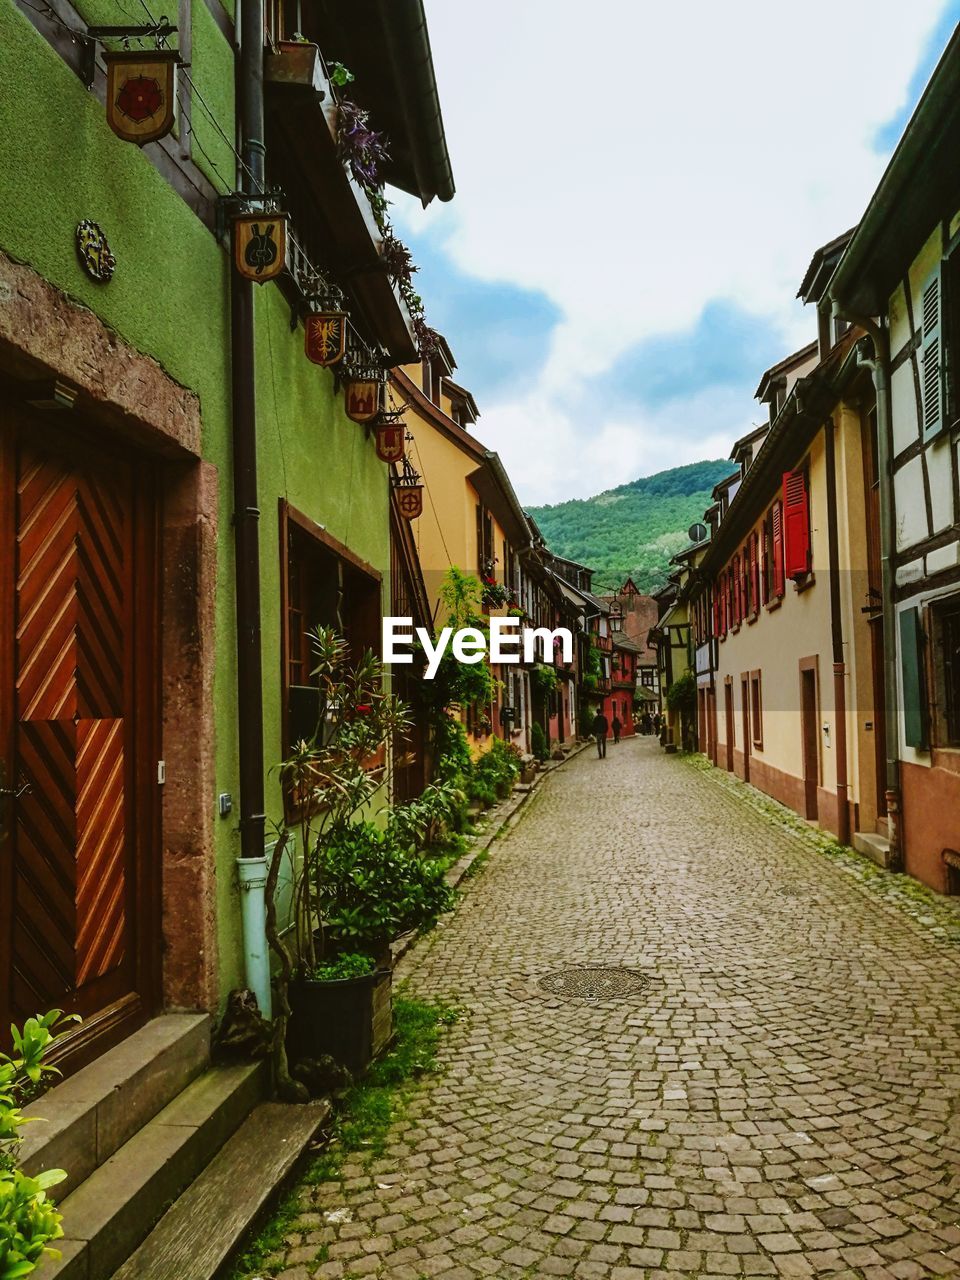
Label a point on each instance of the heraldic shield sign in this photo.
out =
(410, 501)
(390, 441)
(325, 335)
(260, 245)
(361, 398)
(140, 93)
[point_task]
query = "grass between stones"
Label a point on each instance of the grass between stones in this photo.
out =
(938, 916)
(361, 1125)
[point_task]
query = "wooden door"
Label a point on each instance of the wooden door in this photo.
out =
(728, 716)
(79, 910)
(810, 731)
(745, 705)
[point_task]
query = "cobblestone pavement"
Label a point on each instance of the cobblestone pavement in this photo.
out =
(780, 1096)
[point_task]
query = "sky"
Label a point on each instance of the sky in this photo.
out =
(638, 197)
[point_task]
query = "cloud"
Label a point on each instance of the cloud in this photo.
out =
(498, 331)
(643, 187)
(727, 348)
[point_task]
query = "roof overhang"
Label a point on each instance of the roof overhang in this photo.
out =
(386, 45)
(921, 186)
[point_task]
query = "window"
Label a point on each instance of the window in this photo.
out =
(322, 584)
(736, 585)
(945, 664)
(796, 525)
(756, 709)
(486, 553)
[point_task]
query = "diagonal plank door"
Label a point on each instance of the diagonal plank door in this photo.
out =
(73, 876)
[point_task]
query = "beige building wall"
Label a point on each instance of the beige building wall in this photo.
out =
(775, 644)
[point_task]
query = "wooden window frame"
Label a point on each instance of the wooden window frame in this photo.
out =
(939, 682)
(756, 708)
(290, 520)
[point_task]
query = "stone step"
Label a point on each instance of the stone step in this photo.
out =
(203, 1228)
(875, 847)
(108, 1214)
(83, 1120)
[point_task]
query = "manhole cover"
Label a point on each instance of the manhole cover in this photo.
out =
(595, 983)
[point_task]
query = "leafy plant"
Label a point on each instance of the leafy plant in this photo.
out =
(328, 780)
(538, 743)
(351, 964)
(494, 773)
(682, 694)
(339, 75)
(426, 821)
(362, 149)
(28, 1220)
(372, 889)
(459, 682)
(544, 679)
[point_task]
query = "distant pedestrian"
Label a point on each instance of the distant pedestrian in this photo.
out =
(599, 731)
(616, 726)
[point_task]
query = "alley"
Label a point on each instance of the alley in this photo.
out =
(768, 1086)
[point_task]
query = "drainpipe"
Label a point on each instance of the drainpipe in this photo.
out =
(836, 631)
(251, 865)
(879, 366)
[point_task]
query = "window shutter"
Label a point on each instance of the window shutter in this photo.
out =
(754, 576)
(776, 538)
(915, 719)
(796, 525)
(737, 592)
(931, 356)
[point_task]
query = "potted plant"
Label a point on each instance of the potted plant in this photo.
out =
(355, 887)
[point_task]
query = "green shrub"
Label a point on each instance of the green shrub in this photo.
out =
(539, 744)
(682, 694)
(372, 889)
(350, 965)
(428, 821)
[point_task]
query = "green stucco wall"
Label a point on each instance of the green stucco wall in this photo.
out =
(169, 298)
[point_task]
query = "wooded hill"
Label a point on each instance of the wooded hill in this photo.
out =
(632, 530)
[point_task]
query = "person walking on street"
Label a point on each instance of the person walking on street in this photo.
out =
(599, 731)
(616, 726)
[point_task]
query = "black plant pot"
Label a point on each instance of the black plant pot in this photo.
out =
(350, 1019)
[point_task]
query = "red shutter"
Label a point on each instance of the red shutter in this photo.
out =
(777, 578)
(765, 559)
(754, 576)
(796, 524)
(738, 590)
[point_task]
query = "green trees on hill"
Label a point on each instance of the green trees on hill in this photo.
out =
(633, 530)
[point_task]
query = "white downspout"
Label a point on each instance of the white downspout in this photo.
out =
(252, 877)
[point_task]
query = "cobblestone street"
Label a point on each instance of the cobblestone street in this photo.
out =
(777, 1096)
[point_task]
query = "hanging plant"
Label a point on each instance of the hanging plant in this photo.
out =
(364, 152)
(362, 149)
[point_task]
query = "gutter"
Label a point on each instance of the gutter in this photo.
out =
(408, 45)
(252, 864)
(879, 365)
(836, 634)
